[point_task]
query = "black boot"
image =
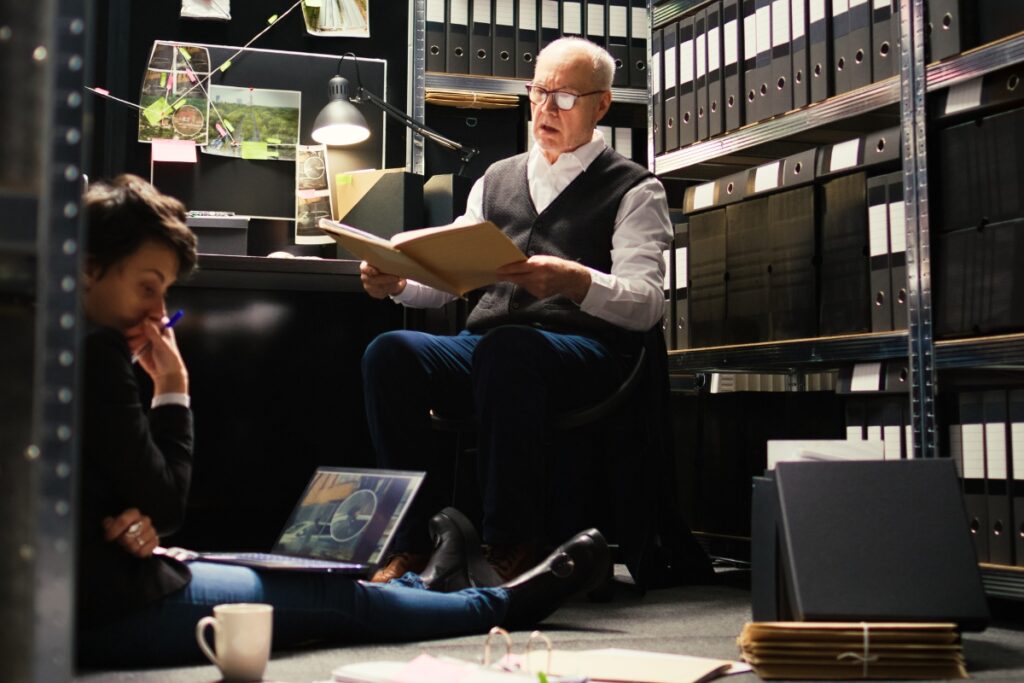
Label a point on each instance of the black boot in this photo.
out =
(579, 564)
(458, 561)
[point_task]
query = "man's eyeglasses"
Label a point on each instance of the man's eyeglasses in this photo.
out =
(563, 100)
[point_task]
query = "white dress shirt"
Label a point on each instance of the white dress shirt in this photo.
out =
(631, 296)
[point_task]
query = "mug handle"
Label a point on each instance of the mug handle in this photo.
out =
(201, 638)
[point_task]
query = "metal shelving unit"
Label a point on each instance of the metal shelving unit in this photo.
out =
(845, 112)
(43, 56)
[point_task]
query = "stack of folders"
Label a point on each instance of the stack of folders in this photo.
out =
(853, 650)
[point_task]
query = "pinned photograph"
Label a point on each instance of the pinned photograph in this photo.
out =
(312, 194)
(173, 97)
(252, 123)
(336, 18)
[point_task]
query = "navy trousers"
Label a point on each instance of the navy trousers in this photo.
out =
(511, 377)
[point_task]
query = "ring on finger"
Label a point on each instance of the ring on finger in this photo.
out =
(134, 529)
(140, 541)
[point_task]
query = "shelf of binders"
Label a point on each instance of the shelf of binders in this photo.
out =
(512, 86)
(817, 353)
(976, 62)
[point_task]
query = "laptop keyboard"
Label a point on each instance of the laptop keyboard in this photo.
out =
(271, 558)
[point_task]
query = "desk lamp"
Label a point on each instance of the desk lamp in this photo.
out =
(340, 122)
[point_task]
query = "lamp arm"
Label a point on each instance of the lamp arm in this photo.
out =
(466, 154)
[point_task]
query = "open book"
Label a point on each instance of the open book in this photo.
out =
(453, 258)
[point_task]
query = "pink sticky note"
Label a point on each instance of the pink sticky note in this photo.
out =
(191, 76)
(307, 194)
(220, 129)
(181, 151)
(102, 91)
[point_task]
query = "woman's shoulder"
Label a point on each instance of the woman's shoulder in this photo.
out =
(105, 340)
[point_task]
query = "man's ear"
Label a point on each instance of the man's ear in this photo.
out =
(603, 105)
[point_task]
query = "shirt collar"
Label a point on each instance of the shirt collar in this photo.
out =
(578, 159)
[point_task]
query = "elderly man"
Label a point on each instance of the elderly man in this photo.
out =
(556, 332)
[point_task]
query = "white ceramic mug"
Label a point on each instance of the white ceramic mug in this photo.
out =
(241, 639)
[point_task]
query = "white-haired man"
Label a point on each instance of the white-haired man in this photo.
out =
(556, 332)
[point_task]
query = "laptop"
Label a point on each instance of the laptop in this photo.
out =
(343, 523)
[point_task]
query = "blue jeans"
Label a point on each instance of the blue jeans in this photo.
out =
(308, 607)
(511, 378)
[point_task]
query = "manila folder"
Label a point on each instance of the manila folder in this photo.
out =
(453, 258)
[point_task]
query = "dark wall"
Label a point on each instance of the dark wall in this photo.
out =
(126, 29)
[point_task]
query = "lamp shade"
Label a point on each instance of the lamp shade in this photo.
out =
(339, 123)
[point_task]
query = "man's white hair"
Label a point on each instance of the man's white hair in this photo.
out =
(604, 64)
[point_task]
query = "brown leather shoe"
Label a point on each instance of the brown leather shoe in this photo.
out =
(510, 560)
(398, 564)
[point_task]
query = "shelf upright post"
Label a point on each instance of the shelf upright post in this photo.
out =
(416, 95)
(913, 82)
(647, 91)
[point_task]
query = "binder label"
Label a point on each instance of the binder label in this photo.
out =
(883, 4)
(1016, 448)
(866, 377)
(963, 96)
(572, 18)
(655, 75)
(624, 142)
(714, 53)
(639, 27)
(703, 196)
(682, 274)
(701, 54)
(686, 62)
(878, 233)
(749, 37)
(855, 3)
(670, 67)
(844, 155)
(549, 14)
(618, 24)
(995, 449)
(897, 227)
(504, 13)
(766, 177)
(764, 28)
(435, 11)
(731, 42)
(481, 11)
(973, 439)
(799, 20)
(780, 22)
(817, 10)
(460, 12)
(840, 7)
(595, 19)
(528, 15)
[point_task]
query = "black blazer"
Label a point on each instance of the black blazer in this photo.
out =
(130, 458)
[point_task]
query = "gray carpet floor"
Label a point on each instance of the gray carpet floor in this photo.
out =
(695, 620)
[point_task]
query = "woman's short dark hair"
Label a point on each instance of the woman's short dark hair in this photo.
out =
(126, 212)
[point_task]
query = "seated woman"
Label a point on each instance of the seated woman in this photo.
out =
(138, 605)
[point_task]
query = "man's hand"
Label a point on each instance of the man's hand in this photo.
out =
(133, 531)
(544, 276)
(380, 285)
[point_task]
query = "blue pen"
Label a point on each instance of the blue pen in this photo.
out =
(171, 322)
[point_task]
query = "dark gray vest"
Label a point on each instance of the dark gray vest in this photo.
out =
(577, 225)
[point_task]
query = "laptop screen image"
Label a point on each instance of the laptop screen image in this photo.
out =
(348, 515)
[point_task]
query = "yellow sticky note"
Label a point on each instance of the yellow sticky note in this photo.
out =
(272, 154)
(254, 150)
(313, 3)
(226, 65)
(343, 179)
(178, 105)
(274, 141)
(272, 19)
(163, 80)
(184, 53)
(229, 126)
(156, 111)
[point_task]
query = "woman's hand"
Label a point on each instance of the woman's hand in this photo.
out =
(161, 360)
(379, 285)
(133, 531)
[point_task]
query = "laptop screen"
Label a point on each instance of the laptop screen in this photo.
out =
(348, 515)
